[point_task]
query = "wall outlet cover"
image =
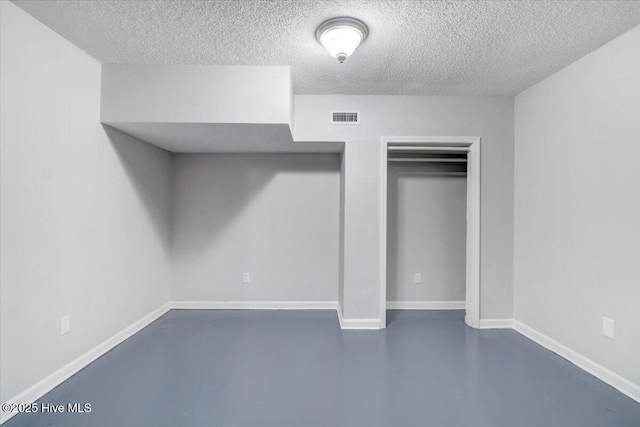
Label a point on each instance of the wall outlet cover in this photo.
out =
(64, 325)
(608, 327)
(417, 278)
(246, 278)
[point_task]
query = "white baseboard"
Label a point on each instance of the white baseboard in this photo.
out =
(496, 324)
(360, 323)
(50, 382)
(356, 323)
(616, 381)
(253, 305)
(426, 305)
(278, 305)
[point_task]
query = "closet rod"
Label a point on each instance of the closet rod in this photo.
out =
(433, 160)
(422, 148)
(434, 173)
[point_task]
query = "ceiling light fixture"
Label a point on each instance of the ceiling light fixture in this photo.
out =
(341, 36)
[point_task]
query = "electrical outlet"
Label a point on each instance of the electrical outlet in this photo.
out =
(246, 278)
(608, 327)
(417, 278)
(64, 325)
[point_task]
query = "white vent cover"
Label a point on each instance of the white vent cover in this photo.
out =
(345, 117)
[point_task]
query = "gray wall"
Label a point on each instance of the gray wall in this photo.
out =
(426, 232)
(84, 213)
(577, 205)
(361, 281)
(341, 235)
(272, 215)
(488, 117)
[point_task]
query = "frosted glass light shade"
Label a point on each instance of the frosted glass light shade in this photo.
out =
(341, 36)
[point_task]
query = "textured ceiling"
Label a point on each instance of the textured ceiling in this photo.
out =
(414, 47)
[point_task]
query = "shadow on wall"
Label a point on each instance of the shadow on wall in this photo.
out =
(212, 191)
(149, 171)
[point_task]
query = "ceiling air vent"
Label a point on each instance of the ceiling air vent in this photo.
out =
(345, 117)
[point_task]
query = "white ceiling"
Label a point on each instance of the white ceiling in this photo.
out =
(414, 47)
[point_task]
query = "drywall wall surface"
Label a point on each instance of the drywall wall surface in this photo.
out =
(84, 219)
(361, 231)
(490, 118)
(196, 94)
(391, 115)
(426, 232)
(275, 216)
(577, 205)
(341, 234)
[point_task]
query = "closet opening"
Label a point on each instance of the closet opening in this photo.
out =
(430, 225)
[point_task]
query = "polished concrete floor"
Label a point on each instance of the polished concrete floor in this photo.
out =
(297, 368)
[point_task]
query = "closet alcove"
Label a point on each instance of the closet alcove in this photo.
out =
(426, 227)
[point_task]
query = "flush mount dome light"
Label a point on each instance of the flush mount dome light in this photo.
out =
(341, 36)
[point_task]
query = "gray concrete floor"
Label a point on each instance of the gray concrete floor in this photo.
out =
(297, 368)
